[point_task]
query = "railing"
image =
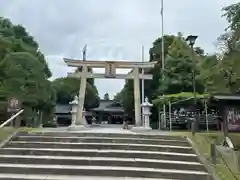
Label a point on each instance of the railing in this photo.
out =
(10, 120)
(225, 156)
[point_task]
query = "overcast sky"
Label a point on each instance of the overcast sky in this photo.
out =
(112, 29)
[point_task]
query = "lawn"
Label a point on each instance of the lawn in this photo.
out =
(6, 132)
(222, 169)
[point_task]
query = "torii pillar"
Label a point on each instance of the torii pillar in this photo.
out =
(110, 72)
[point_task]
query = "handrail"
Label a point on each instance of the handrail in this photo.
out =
(11, 118)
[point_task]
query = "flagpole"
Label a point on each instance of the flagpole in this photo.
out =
(142, 74)
(163, 57)
(142, 83)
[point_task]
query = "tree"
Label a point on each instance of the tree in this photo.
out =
(68, 87)
(106, 96)
(179, 66)
(224, 75)
(24, 71)
(232, 15)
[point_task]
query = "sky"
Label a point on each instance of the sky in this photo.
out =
(112, 29)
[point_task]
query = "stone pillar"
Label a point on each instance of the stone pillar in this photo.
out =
(79, 119)
(146, 113)
(137, 97)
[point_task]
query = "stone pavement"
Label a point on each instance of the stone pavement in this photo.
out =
(105, 128)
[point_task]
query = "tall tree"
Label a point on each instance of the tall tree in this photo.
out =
(24, 71)
(178, 74)
(68, 87)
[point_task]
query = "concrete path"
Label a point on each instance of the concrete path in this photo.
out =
(105, 128)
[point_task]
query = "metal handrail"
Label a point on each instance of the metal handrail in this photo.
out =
(11, 118)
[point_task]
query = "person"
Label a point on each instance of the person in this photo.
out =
(125, 123)
(220, 123)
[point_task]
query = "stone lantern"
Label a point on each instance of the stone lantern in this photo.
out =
(146, 113)
(146, 106)
(75, 122)
(74, 104)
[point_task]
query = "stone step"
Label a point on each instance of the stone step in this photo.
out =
(94, 139)
(101, 153)
(102, 161)
(56, 177)
(85, 145)
(45, 169)
(116, 135)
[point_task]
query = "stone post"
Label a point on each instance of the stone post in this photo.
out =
(146, 113)
(146, 117)
(82, 91)
(137, 97)
(74, 104)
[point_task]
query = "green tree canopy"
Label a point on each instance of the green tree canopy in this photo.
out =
(24, 72)
(68, 87)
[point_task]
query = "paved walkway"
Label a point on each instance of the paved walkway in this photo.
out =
(105, 128)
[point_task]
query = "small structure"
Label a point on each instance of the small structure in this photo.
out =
(63, 114)
(146, 113)
(74, 111)
(74, 104)
(108, 111)
(229, 108)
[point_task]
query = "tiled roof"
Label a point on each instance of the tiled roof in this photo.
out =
(109, 106)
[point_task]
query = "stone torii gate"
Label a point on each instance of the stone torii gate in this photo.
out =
(110, 72)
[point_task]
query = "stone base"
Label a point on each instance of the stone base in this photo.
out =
(141, 129)
(77, 128)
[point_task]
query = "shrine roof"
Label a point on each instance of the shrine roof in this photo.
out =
(227, 96)
(108, 106)
(62, 109)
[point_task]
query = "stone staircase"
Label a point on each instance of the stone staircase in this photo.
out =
(72, 156)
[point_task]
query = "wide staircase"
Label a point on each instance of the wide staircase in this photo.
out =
(102, 156)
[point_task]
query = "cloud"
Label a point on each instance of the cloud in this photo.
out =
(113, 30)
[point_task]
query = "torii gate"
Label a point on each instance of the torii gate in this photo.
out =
(110, 72)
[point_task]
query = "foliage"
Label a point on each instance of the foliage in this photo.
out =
(179, 67)
(68, 87)
(177, 97)
(216, 73)
(24, 71)
(177, 74)
(223, 74)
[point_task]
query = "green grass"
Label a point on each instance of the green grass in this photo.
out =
(6, 132)
(202, 141)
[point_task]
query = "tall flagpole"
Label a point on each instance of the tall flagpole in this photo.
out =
(163, 57)
(142, 83)
(142, 74)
